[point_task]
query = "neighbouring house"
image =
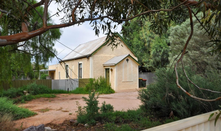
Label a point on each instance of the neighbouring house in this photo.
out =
(96, 58)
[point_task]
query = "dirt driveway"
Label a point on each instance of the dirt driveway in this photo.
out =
(63, 107)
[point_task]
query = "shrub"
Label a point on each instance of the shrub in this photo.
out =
(12, 92)
(7, 107)
(43, 76)
(99, 85)
(90, 112)
(106, 108)
(35, 89)
(79, 90)
(164, 96)
(113, 127)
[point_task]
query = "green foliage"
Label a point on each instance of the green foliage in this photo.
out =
(91, 110)
(151, 49)
(12, 92)
(25, 98)
(7, 107)
(99, 85)
(113, 127)
(115, 120)
(35, 89)
(43, 76)
(217, 115)
(199, 50)
(16, 59)
(164, 96)
(79, 90)
(105, 108)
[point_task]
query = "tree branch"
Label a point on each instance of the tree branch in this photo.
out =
(180, 59)
(45, 14)
(30, 7)
(72, 13)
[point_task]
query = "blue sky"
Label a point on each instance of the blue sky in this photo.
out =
(72, 36)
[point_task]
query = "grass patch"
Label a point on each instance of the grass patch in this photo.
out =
(24, 98)
(7, 107)
(44, 110)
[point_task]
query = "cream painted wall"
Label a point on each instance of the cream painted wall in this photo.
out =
(73, 69)
(127, 78)
(106, 53)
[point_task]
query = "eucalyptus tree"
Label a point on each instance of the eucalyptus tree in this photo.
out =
(150, 48)
(17, 59)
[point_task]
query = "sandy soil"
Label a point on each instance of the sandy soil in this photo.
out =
(64, 107)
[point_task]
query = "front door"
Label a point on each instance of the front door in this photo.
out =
(107, 75)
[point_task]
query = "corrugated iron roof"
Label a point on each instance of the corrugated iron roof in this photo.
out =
(86, 49)
(115, 60)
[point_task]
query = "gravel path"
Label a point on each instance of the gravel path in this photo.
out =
(64, 107)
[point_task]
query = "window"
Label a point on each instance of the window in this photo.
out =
(79, 70)
(66, 69)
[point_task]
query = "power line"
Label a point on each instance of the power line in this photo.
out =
(69, 48)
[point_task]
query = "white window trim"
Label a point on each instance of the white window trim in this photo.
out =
(91, 67)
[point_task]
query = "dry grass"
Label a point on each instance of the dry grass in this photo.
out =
(6, 123)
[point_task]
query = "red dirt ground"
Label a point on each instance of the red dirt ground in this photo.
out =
(63, 107)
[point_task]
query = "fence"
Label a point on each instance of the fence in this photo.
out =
(65, 84)
(83, 82)
(20, 83)
(195, 123)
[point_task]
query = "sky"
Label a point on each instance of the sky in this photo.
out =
(72, 36)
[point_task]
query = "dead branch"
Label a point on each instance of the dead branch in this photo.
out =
(180, 59)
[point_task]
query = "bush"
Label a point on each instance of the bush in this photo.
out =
(7, 107)
(35, 89)
(32, 89)
(12, 92)
(99, 85)
(113, 127)
(79, 90)
(43, 76)
(164, 96)
(90, 112)
(105, 108)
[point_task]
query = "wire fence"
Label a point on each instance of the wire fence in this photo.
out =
(65, 84)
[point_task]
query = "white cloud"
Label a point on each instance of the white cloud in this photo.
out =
(72, 36)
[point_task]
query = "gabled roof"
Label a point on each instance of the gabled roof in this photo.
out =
(86, 49)
(117, 59)
(89, 48)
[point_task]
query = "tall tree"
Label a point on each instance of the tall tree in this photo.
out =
(16, 59)
(151, 49)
